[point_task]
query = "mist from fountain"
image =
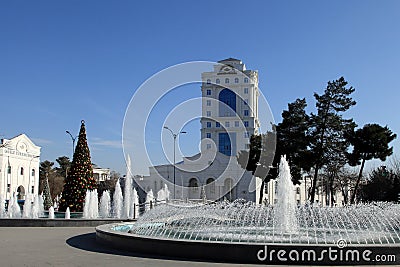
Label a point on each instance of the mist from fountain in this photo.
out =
(117, 201)
(149, 200)
(41, 205)
(285, 207)
(27, 212)
(14, 210)
(2, 207)
(283, 223)
(51, 212)
(67, 214)
(91, 205)
(105, 205)
(163, 194)
(134, 212)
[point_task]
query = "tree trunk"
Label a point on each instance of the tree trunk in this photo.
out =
(314, 183)
(261, 192)
(331, 191)
(353, 195)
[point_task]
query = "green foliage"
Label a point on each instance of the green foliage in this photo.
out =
(382, 185)
(46, 195)
(80, 177)
(328, 127)
(45, 170)
(292, 139)
(258, 159)
(370, 142)
(64, 166)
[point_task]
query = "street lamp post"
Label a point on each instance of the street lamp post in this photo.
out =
(73, 142)
(174, 135)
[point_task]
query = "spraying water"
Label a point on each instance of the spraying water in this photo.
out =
(67, 214)
(105, 205)
(134, 213)
(2, 207)
(117, 201)
(90, 208)
(27, 212)
(14, 211)
(149, 200)
(285, 208)
(51, 212)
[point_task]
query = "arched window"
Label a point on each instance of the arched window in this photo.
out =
(217, 81)
(246, 80)
(211, 185)
(194, 189)
(33, 172)
(21, 192)
(226, 80)
(208, 81)
(236, 80)
(229, 189)
(9, 169)
(22, 171)
(227, 105)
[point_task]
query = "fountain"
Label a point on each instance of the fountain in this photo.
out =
(67, 214)
(14, 211)
(2, 206)
(117, 201)
(105, 205)
(149, 200)
(245, 232)
(90, 208)
(51, 212)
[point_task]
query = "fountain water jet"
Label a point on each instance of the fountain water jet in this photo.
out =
(51, 212)
(105, 205)
(285, 208)
(241, 231)
(117, 201)
(67, 214)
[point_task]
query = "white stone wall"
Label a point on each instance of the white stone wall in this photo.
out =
(19, 166)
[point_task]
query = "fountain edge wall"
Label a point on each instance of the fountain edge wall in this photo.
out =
(244, 253)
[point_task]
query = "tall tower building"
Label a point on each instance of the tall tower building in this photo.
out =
(229, 107)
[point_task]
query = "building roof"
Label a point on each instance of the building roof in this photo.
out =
(229, 59)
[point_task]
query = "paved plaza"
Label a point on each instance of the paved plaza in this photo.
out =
(71, 246)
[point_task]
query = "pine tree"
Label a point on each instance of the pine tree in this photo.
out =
(292, 139)
(80, 176)
(370, 142)
(46, 194)
(328, 127)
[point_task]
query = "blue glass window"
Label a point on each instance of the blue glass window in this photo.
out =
(208, 124)
(217, 124)
(224, 145)
(246, 112)
(246, 124)
(227, 105)
(208, 92)
(208, 135)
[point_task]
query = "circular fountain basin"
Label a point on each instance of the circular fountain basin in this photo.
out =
(248, 233)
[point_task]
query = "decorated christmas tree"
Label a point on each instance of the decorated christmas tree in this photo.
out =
(80, 176)
(47, 202)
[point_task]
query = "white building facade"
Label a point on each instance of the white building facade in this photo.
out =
(301, 192)
(19, 167)
(229, 117)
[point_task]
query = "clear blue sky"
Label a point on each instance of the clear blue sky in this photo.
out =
(63, 61)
